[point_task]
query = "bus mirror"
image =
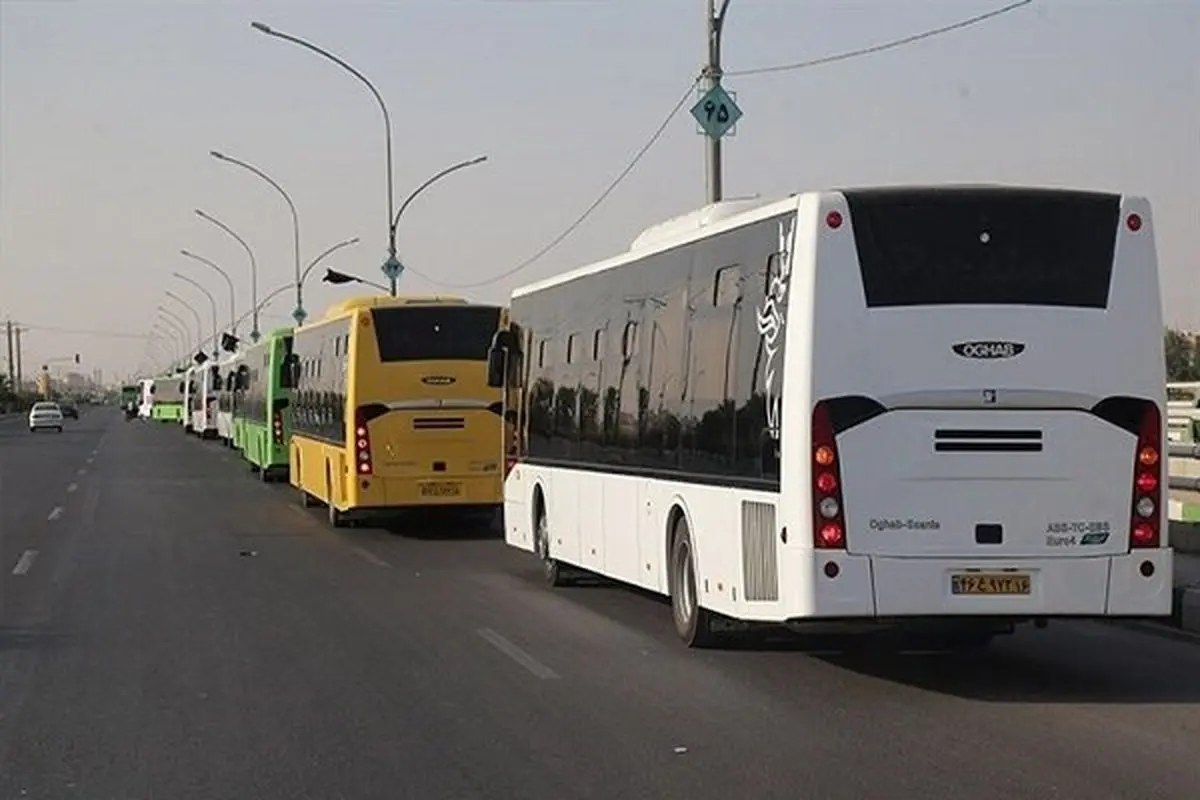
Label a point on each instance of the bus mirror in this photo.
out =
(495, 368)
(290, 371)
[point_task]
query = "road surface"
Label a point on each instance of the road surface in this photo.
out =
(184, 631)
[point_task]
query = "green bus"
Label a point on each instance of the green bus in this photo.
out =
(130, 396)
(261, 413)
(168, 399)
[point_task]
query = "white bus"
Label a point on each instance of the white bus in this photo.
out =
(204, 399)
(893, 405)
(145, 397)
(224, 382)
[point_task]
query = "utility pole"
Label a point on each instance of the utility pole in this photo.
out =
(12, 365)
(710, 75)
(17, 339)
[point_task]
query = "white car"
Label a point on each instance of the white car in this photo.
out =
(45, 415)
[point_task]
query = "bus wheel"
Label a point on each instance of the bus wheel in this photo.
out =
(552, 571)
(693, 623)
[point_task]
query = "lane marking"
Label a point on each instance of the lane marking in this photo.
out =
(24, 562)
(518, 655)
(72, 487)
(55, 513)
(91, 459)
(81, 471)
(369, 556)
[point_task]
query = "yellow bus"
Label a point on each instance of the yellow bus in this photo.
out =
(392, 408)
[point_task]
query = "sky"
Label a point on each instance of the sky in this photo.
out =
(109, 110)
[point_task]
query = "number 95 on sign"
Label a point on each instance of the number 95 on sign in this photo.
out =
(716, 112)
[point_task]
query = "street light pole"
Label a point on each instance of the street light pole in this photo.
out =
(391, 267)
(413, 196)
(254, 333)
(714, 24)
(195, 315)
(181, 327)
(326, 254)
(299, 313)
(212, 301)
(228, 282)
(165, 334)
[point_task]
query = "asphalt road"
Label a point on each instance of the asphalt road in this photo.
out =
(184, 631)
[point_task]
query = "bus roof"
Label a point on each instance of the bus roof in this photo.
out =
(683, 229)
(344, 307)
(727, 215)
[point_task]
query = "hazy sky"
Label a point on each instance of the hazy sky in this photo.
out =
(109, 111)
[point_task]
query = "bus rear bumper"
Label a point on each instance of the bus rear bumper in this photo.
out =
(1136, 584)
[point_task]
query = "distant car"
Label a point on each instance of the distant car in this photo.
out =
(45, 415)
(69, 412)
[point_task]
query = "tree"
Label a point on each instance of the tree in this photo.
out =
(1183, 356)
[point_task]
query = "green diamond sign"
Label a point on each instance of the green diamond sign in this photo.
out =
(716, 112)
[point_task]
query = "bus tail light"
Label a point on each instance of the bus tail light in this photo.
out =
(277, 427)
(1144, 529)
(362, 445)
(829, 519)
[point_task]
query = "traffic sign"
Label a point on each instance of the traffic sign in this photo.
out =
(716, 112)
(392, 268)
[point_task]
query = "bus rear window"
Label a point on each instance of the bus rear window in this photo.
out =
(1028, 247)
(434, 333)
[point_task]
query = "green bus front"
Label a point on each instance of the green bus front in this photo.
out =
(168, 399)
(262, 413)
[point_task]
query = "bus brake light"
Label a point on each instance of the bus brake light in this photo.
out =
(829, 523)
(1147, 484)
(277, 426)
(362, 445)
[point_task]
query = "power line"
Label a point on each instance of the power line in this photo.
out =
(78, 332)
(653, 140)
(816, 62)
(879, 48)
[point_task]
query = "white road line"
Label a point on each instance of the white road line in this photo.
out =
(91, 459)
(81, 471)
(518, 655)
(24, 562)
(72, 487)
(369, 556)
(55, 513)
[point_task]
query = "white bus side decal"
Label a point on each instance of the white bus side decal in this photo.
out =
(770, 319)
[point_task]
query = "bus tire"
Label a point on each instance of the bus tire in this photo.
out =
(693, 624)
(553, 571)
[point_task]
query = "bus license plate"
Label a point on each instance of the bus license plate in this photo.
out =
(441, 489)
(985, 583)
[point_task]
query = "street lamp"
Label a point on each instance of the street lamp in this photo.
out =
(195, 315)
(299, 313)
(336, 278)
(228, 282)
(178, 325)
(254, 334)
(199, 325)
(391, 267)
(212, 301)
(326, 254)
(408, 200)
